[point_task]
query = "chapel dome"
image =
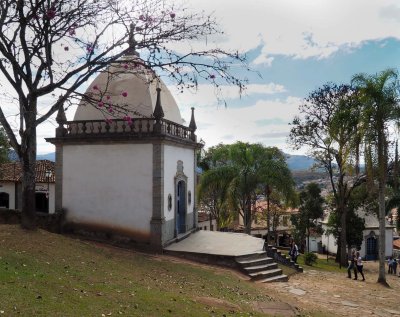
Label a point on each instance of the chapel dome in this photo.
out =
(126, 85)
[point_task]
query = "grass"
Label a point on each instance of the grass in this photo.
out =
(44, 274)
(321, 264)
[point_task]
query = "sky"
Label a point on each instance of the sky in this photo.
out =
(293, 47)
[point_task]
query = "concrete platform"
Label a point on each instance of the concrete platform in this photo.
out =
(218, 243)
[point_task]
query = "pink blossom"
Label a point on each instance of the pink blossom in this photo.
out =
(142, 17)
(172, 15)
(89, 48)
(108, 121)
(110, 109)
(124, 94)
(95, 87)
(108, 97)
(66, 48)
(126, 66)
(51, 13)
(100, 104)
(128, 119)
(71, 31)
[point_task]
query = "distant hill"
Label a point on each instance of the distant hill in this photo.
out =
(295, 162)
(299, 162)
(49, 156)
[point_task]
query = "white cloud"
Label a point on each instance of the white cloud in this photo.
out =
(302, 29)
(227, 125)
(207, 94)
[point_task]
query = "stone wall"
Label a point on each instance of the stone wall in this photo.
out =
(49, 222)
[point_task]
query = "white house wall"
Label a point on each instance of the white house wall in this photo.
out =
(42, 188)
(330, 241)
(172, 154)
(113, 192)
(9, 188)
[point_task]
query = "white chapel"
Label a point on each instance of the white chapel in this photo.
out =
(129, 170)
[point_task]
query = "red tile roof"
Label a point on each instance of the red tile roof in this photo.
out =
(396, 244)
(12, 172)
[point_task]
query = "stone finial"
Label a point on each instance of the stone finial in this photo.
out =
(132, 42)
(192, 124)
(158, 113)
(61, 119)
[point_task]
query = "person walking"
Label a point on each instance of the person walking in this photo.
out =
(352, 265)
(294, 252)
(390, 265)
(360, 265)
(394, 266)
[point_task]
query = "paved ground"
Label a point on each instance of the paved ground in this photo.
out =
(221, 243)
(336, 295)
(325, 293)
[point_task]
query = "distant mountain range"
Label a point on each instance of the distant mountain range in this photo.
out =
(299, 162)
(295, 162)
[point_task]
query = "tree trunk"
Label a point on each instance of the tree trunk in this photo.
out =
(267, 193)
(382, 152)
(247, 217)
(343, 242)
(28, 158)
(382, 235)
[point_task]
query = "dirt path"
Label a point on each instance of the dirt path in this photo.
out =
(335, 293)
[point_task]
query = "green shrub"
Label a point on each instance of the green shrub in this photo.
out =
(310, 258)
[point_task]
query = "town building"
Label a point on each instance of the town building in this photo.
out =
(11, 189)
(131, 175)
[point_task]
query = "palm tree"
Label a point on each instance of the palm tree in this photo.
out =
(275, 176)
(379, 96)
(240, 170)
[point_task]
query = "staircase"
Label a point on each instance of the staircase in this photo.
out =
(261, 268)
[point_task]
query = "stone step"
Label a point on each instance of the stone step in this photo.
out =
(253, 269)
(256, 262)
(277, 278)
(251, 256)
(265, 274)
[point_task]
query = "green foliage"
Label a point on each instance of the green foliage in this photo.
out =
(355, 224)
(310, 258)
(235, 173)
(4, 146)
(310, 209)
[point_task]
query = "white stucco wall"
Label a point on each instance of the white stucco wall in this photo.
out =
(42, 188)
(313, 243)
(332, 246)
(114, 191)
(171, 156)
(9, 188)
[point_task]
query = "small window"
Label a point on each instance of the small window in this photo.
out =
(169, 202)
(4, 200)
(189, 197)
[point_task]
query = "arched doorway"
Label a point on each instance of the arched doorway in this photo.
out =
(181, 207)
(4, 200)
(372, 248)
(42, 202)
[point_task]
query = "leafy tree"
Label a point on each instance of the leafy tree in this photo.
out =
(310, 209)
(379, 95)
(48, 49)
(4, 146)
(276, 178)
(212, 191)
(241, 169)
(329, 128)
